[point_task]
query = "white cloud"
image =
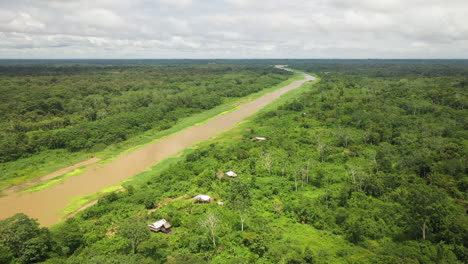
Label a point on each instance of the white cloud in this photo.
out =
(372, 5)
(233, 28)
(95, 17)
(178, 3)
(22, 22)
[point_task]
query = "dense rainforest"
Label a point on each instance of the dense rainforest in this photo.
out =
(359, 168)
(86, 107)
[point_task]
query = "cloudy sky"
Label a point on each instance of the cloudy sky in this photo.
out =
(233, 29)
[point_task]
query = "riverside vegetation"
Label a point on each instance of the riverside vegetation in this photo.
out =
(365, 166)
(54, 113)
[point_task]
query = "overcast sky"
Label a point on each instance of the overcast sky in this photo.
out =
(233, 29)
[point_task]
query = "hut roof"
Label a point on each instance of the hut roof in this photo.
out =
(260, 138)
(202, 197)
(231, 174)
(161, 223)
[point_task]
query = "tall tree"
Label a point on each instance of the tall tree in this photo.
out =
(16, 230)
(266, 160)
(427, 206)
(240, 200)
(211, 222)
(135, 230)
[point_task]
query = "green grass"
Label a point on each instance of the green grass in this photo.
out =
(328, 245)
(22, 170)
(79, 201)
(51, 182)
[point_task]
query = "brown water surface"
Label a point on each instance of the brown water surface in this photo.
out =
(49, 176)
(46, 204)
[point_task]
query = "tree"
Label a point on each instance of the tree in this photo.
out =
(305, 172)
(211, 222)
(357, 176)
(240, 200)
(266, 160)
(219, 174)
(427, 206)
(68, 236)
(286, 251)
(135, 231)
(5, 254)
(284, 159)
(322, 148)
(277, 207)
(154, 248)
(344, 135)
(34, 250)
(24, 238)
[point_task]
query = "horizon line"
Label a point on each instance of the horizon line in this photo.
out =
(233, 58)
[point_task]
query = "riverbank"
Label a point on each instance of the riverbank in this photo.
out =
(45, 204)
(35, 171)
(82, 202)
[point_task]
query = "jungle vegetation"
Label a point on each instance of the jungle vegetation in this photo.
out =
(360, 168)
(86, 107)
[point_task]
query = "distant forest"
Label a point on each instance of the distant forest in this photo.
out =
(368, 165)
(88, 106)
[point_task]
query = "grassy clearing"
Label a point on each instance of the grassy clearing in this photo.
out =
(329, 246)
(22, 170)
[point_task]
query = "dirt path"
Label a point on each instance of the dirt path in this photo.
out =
(46, 204)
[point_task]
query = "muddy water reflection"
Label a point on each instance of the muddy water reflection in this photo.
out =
(45, 204)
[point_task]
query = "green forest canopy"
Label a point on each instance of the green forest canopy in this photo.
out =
(361, 168)
(86, 107)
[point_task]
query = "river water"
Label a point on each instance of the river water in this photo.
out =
(46, 204)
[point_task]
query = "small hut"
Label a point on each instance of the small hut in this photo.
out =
(160, 226)
(202, 198)
(231, 174)
(259, 138)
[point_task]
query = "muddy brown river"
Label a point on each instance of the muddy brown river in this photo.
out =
(46, 204)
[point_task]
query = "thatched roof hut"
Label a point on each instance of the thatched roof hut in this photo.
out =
(160, 226)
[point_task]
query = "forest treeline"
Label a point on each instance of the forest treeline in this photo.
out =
(385, 68)
(358, 169)
(87, 107)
